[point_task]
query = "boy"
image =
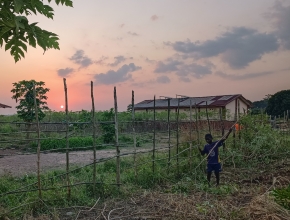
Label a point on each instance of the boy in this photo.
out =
(211, 149)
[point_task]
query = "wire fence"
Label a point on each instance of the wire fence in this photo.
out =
(161, 140)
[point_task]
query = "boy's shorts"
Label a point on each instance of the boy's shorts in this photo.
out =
(214, 167)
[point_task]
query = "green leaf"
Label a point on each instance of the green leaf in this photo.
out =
(32, 41)
(18, 5)
(4, 30)
(16, 31)
(9, 44)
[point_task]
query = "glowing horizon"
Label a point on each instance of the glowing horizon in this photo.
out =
(161, 48)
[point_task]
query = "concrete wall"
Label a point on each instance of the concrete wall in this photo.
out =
(228, 112)
(231, 109)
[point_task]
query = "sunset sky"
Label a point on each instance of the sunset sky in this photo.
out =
(157, 47)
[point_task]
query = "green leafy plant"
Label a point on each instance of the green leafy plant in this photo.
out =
(108, 129)
(16, 31)
(23, 93)
(282, 197)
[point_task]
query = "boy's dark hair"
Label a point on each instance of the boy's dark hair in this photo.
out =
(208, 136)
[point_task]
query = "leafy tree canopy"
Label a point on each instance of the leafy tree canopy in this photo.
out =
(279, 103)
(16, 31)
(23, 93)
(260, 104)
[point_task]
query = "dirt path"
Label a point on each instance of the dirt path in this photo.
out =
(26, 164)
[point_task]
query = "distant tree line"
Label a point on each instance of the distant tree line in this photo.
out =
(275, 104)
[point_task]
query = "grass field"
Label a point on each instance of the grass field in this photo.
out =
(254, 184)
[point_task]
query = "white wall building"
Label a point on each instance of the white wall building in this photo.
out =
(230, 106)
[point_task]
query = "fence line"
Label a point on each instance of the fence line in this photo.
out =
(172, 128)
(100, 160)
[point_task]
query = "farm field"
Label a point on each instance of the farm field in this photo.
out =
(162, 178)
(144, 110)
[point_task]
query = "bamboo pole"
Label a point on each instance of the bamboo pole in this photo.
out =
(207, 117)
(67, 142)
(196, 122)
(94, 137)
(38, 143)
(239, 126)
(154, 135)
(134, 133)
(117, 139)
(222, 126)
(169, 138)
(235, 119)
(190, 135)
(177, 137)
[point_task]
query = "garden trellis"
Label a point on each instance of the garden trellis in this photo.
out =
(151, 131)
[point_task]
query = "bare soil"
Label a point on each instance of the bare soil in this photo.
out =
(15, 163)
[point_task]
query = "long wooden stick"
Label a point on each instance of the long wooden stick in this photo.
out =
(235, 119)
(209, 129)
(222, 125)
(196, 123)
(67, 141)
(117, 139)
(177, 137)
(94, 138)
(154, 135)
(168, 131)
(134, 133)
(239, 115)
(38, 142)
(190, 135)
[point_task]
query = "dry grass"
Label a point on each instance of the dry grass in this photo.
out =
(200, 206)
(246, 201)
(264, 207)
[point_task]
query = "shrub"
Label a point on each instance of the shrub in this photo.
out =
(282, 197)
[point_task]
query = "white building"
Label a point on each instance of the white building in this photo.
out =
(230, 106)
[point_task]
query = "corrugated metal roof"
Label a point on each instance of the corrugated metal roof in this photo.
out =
(212, 101)
(4, 106)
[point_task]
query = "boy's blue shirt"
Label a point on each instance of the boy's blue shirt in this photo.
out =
(213, 157)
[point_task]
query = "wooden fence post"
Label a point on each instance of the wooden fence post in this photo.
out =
(177, 137)
(67, 141)
(207, 117)
(196, 123)
(94, 137)
(239, 126)
(222, 126)
(134, 133)
(190, 135)
(154, 135)
(38, 143)
(117, 139)
(235, 119)
(168, 130)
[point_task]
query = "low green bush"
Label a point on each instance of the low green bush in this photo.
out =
(282, 197)
(7, 128)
